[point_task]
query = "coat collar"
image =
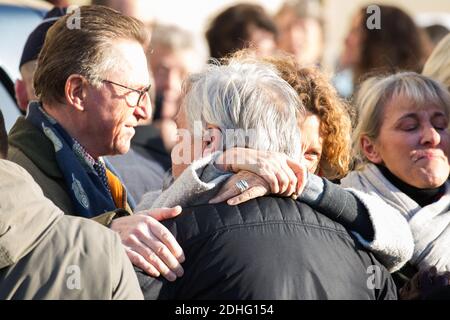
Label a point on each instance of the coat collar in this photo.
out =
(35, 145)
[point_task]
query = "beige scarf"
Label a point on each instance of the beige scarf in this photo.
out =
(430, 225)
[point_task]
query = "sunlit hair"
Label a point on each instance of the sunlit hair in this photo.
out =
(321, 99)
(301, 9)
(437, 66)
(249, 96)
(375, 93)
(85, 50)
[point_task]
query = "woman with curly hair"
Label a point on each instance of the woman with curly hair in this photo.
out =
(326, 129)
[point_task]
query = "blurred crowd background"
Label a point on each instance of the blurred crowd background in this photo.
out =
(195, 16)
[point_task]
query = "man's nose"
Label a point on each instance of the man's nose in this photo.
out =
(144, 109)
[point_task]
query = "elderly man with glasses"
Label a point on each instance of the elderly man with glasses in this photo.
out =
(92, 85)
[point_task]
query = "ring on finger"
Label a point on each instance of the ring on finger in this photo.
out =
(242, 185)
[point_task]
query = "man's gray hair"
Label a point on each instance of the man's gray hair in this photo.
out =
(249, 99)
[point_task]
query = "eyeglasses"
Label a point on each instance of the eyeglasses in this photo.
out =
(134, 97)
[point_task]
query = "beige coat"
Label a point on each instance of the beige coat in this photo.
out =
(45, 254)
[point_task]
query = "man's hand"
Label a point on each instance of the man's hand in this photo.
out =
(149, 245)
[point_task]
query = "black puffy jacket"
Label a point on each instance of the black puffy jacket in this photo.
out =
(268, 248)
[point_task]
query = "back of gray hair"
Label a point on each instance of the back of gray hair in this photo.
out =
(250, 97)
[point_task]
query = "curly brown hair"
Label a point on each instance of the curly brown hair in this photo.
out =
(321, 99)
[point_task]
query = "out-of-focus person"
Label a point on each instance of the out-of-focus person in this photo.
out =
(436, 32)
(241, 26)
(300, 28)
(28, 61)
(437, 66)
(139, 9)
(172, 55)
(397, 43)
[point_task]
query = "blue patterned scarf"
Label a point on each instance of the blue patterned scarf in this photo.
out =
(87, 185)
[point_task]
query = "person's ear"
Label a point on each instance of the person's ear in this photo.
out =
(21, 94)
(370, 150)
(212, 141)
(75, 91)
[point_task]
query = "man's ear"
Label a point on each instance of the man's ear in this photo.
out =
(75, 91)
(212, 141)
(370, 150)
(21, 94)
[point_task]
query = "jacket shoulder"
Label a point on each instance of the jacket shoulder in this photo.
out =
(204, 220)
(77, 259)
(53, 188)
(105, 253)
(267, 248)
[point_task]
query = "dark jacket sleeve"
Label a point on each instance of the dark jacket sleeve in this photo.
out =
(337, 204)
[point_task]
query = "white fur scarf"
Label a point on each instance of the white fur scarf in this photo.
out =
(430, 225)
(189, 188)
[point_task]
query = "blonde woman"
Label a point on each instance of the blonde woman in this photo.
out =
(402, 143)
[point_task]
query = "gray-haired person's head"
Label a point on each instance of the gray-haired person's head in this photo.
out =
(251, 101)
